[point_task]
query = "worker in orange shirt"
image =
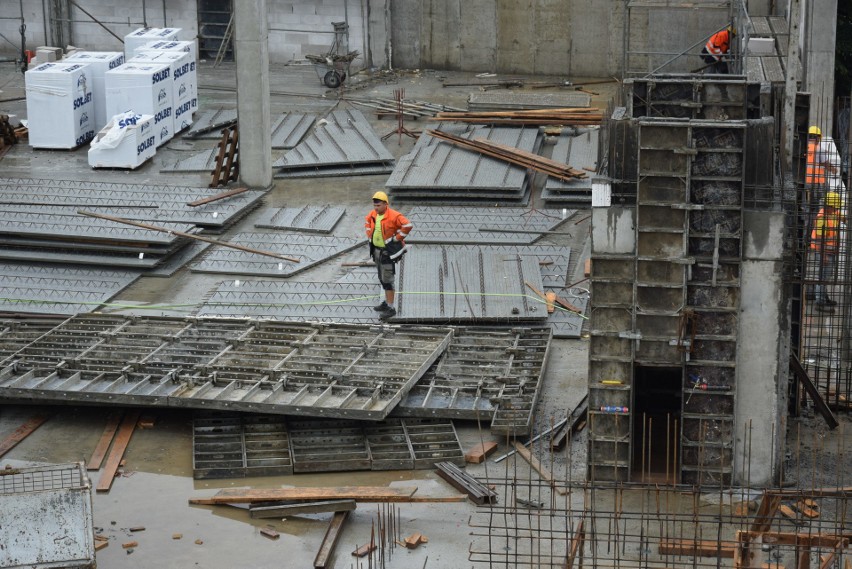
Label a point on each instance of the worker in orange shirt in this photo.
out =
(825, 243)
(386, 230)
(715, 51)
(822, 166)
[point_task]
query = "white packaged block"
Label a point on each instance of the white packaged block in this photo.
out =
(183, 81)
(126, 142)
(188, 46)
(60, 108)
(146, 89)
(99, 63)
(140, 37)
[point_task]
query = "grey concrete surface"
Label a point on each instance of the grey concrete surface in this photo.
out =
(157, 482)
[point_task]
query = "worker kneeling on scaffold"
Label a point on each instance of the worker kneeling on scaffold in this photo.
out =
(386, 229)
(825, 242)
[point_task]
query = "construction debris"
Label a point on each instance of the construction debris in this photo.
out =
(307, 494)
(480, 452)
(414, 540)
(284, 511)
(516, 100)
(22, 432)
(548, 117)
(464, 482)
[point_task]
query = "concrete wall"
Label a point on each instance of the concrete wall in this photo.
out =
(762, 360)
(820, 33)
(613, 230)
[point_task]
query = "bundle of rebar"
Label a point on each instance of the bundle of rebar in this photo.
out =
(512, 155)
(569, 116)
(410, 107)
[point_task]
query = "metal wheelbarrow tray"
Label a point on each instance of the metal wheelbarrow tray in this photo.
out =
(332, 69)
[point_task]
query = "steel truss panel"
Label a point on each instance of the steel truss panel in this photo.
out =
(462, 285)
(565, 323)
(347, 138)
(483, 371)
(580, 151)
(230, 446)
(310, 218)
(336, 171)
(311, 250)
(204, 161)
(243, 365)
(57, 290)
(289, 129)
(153, 202)
(481, 226)
(299, 301)
(212, 119)
(436, 165)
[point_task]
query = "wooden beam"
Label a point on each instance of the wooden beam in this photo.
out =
(22, 432)
(765, 513)
(264, 512)
(538, 467)
(308, 494)
(829, 559)
(698, 548)
(577, 543)
(803, 377)
(119, 445)
(217, 197)
(329, 542)
(113, 420)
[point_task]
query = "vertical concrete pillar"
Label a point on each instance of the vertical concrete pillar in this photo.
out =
(252, 58)
(762, 353)
(820, 40)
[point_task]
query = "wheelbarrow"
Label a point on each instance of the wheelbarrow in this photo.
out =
(332, 70)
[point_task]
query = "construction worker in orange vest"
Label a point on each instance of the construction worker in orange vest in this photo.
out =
(716, 50)
(820, 160)
(386, 230)
(825, 243)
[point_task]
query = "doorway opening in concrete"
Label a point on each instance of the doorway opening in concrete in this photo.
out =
(657, 400)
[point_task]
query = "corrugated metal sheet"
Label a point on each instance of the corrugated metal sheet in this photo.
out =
(580, 151)
(311, 250)
(310, 218)
(447, 285)
(289, 129)
(204, 161)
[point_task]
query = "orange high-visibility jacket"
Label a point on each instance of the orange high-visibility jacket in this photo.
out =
(394, 224)
(824, 235)
(718, 44)
(815, 171)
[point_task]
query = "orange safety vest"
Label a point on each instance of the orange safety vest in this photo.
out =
(394, 224)
(824, 234)
(718, 44)
(815, 171)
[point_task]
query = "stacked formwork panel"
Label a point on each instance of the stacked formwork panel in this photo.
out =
(668, 299)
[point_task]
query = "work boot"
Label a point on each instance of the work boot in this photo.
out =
(381, 307)
(389, 313)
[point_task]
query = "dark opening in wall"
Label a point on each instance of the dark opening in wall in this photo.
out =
(657, 400)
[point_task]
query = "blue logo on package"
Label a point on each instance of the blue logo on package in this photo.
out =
(85, 138)
(164, 133)
(116, 62)
(80, 101)
(160, 75)
(184, 108)
(161, 96)
(164, 114)
(84, 118)
(145, 145)
(181, 90)
(128, 121)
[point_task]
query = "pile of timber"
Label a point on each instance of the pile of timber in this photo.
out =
(512, 155)
(571, 116)
(410, 108)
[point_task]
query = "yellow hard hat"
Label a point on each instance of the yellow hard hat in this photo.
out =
(815, 130)
(380, 196)
(832, 199)
(732, 29)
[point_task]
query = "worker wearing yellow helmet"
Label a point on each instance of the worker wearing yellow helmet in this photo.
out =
(825, 243)
(386, 230)
(715, 51)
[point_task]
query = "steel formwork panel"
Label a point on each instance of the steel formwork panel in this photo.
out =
(311, 250)
(436, 165)
(460, 285)
(481, 226)
(240, 446)
(204, 161)
(211, 119)
(301, 301)
(336, 171)
(580, 151)
(289, 129)
(316, 370)
(15, 334)
(346, 138)
(310, 218)
(481, 371)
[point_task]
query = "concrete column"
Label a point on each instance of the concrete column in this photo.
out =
(820, 40)
(252, 57)
(762, 353)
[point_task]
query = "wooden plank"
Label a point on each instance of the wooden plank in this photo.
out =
(119, 445)
(113, 421)
(765, 512)
(829, 559)
(788, 512)
(480, 452)
(806, 511)
(217, 197)
(265, 512)
(538, 467)
(577, 543)
(698, 548)
(364, 550)
(329, 542)
(22, 432)
(310, 494)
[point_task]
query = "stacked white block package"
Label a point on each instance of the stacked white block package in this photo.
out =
(146, 89)
(99, 63)
(188, 46)
(126, 142)
(142, 36)
(60, 105)
(182, 82)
